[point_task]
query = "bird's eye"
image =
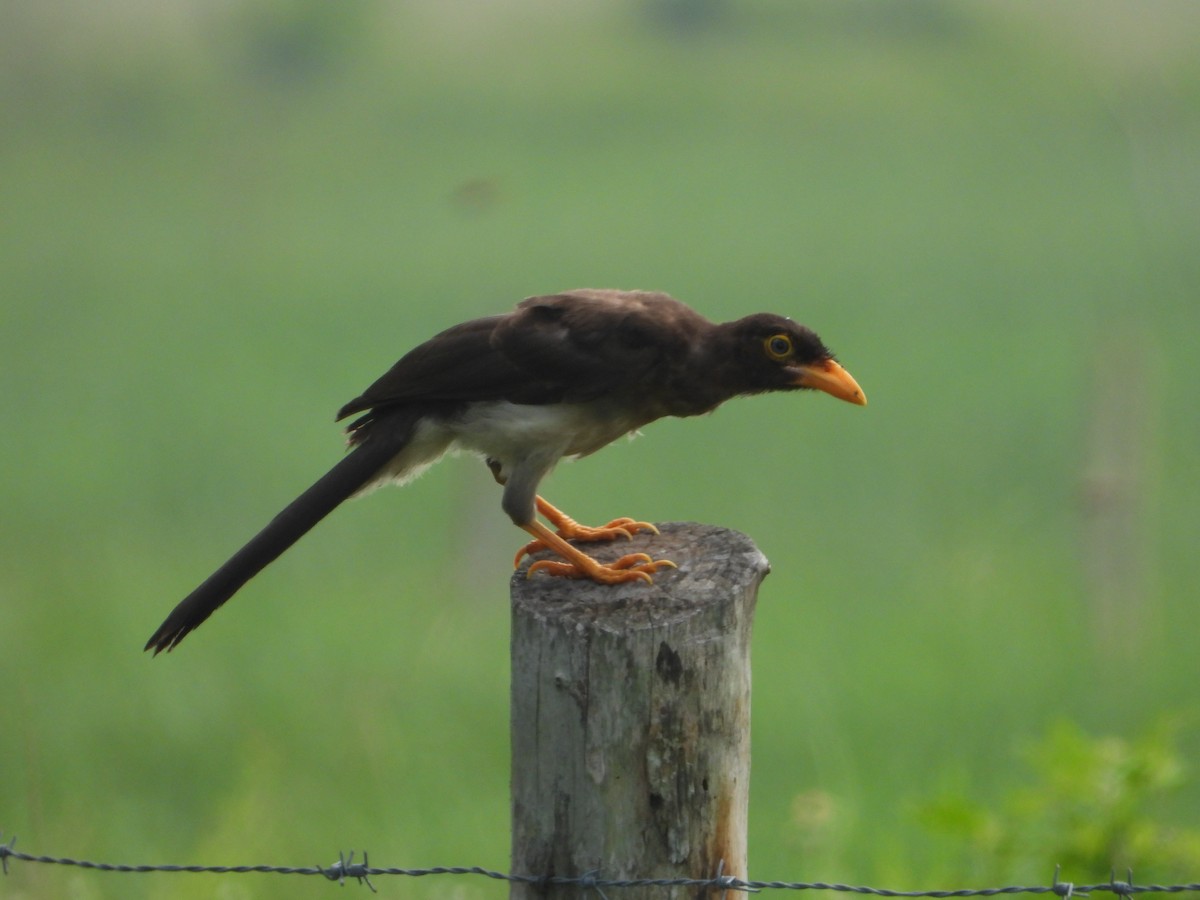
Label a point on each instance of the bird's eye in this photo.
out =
(778, 346)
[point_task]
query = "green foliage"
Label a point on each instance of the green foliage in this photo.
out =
(1093, 805)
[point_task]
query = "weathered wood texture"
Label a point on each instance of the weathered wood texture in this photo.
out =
(631, 717)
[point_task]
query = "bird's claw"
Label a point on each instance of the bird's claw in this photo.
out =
(625, 524)
(571, 530)
(631, 567)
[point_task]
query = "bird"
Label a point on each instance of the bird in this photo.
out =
(560, 376)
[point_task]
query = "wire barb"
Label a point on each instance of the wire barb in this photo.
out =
(591, 881)
(6, 850)
(1064, 889)
(1120, 888)
(726, 883)
(345, 866)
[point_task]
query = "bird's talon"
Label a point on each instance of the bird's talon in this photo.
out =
(633, 567)
(630, 560)
(528, 550)
(630, 526)
(588, 534)
(642, 562)
(557, 569)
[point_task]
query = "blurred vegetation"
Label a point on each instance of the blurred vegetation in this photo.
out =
(1094, 804)
(221, 221)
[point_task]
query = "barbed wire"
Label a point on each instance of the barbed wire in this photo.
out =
(346, 868)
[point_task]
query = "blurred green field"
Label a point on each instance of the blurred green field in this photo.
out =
(220, 223)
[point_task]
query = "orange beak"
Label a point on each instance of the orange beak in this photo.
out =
(831, 378)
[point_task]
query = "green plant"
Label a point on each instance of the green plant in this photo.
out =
(1095, 804)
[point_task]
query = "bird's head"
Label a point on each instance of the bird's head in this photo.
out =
(773, 353)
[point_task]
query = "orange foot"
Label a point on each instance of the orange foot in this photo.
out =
(570, 530)
(631, 567)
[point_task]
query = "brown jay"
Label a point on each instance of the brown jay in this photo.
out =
(561, 375)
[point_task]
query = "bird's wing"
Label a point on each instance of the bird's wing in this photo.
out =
(458, 364)
(570, 347)
(590, 344)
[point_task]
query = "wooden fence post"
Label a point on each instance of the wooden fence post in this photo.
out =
(631, 717)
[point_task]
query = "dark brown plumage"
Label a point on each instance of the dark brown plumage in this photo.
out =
(562, 375)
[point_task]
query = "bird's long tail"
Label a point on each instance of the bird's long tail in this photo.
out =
(388, 437)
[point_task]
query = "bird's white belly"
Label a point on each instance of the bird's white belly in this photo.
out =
(513, 434)
(512, 431)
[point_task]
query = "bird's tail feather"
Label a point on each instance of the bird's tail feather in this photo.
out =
(387, 438)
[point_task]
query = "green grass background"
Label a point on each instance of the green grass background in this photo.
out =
(218, 222)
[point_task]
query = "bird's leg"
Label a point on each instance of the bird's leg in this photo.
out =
(632, 567)
(568, 529)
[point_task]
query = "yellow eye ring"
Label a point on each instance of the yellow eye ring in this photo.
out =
(778, 346)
